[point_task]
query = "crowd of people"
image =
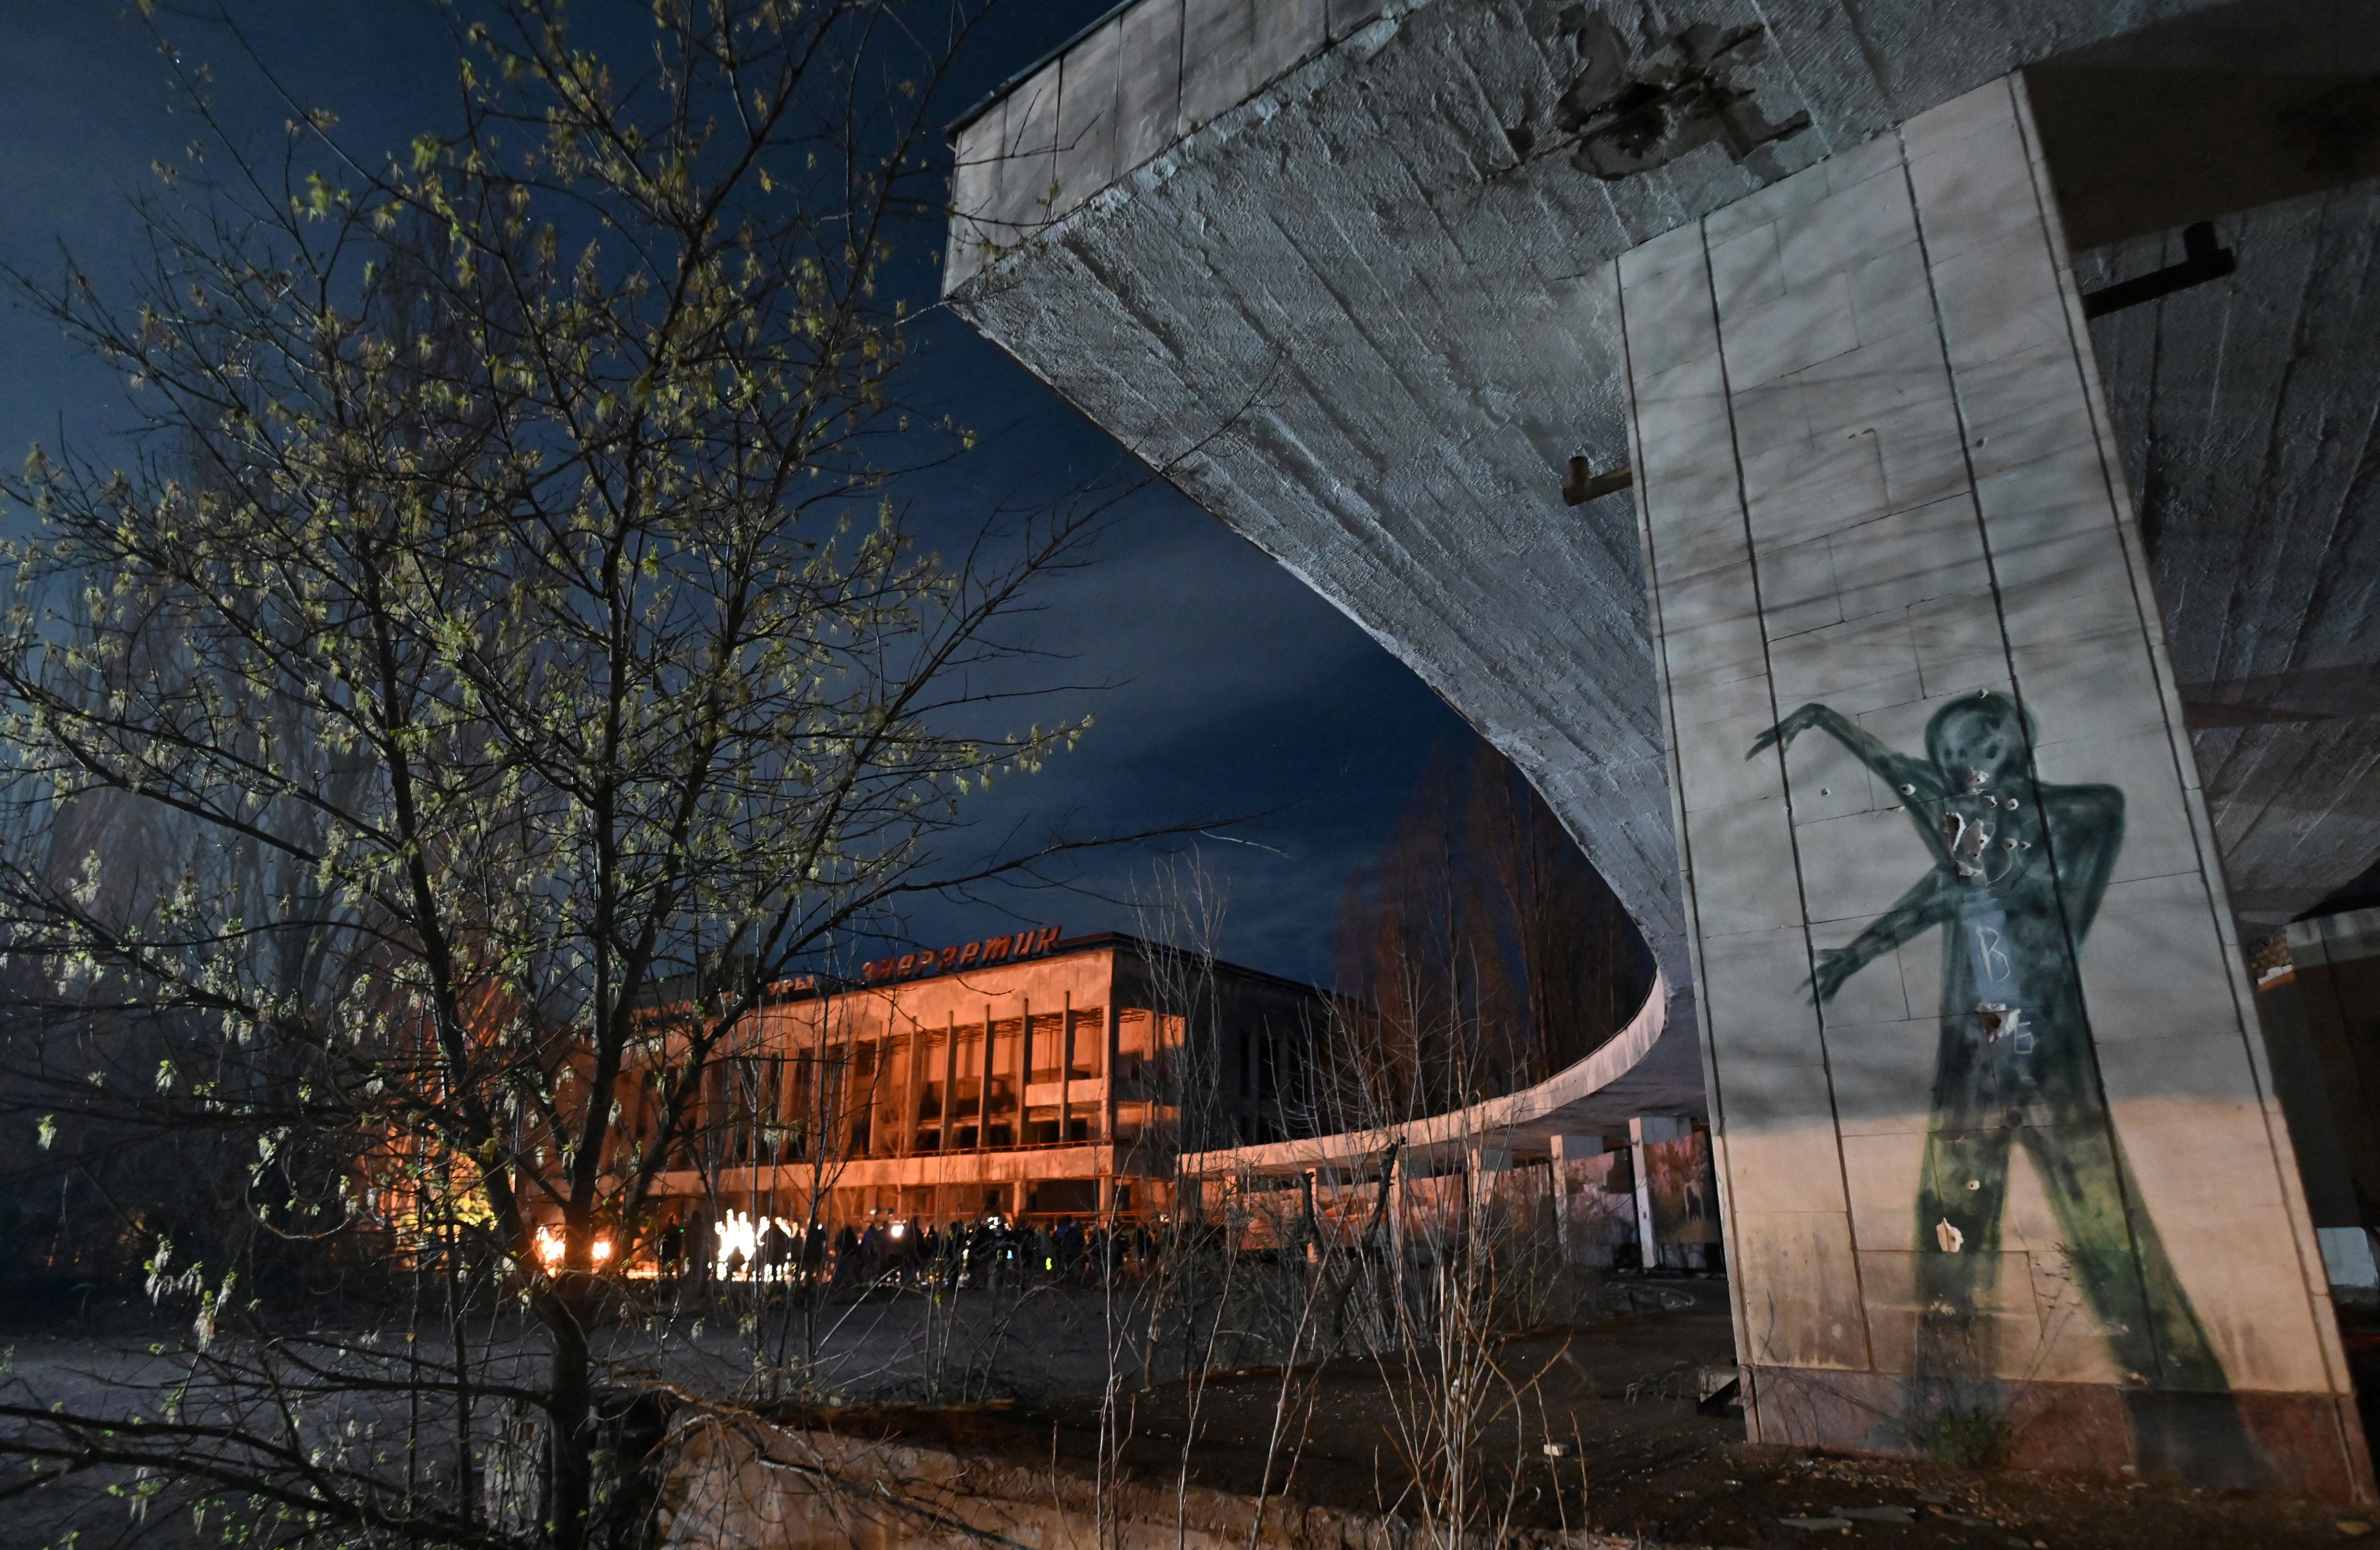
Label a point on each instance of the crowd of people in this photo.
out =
(988, 1252)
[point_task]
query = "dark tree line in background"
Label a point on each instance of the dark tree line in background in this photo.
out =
(1489, 953)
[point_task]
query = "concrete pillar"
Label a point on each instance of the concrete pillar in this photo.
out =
(1566, 1150)
(1023, 1066)
(950, 1133)
(1023, 1069)
(1641, 1133)
(1930, 766)
(1486, 1162)
(1108, 1071)
(914, 1091)
(983, 1102)
(2316, 998)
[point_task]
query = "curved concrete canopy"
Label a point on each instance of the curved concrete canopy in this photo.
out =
(1598, 1095)
(1345, 278)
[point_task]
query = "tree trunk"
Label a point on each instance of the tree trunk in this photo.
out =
(570, 1437)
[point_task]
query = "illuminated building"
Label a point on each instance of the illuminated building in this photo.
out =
(1021, 1076)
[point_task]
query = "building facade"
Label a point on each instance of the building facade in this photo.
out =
(1024, 1076)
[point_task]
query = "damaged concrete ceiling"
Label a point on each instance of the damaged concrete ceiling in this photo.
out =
(1366, 320)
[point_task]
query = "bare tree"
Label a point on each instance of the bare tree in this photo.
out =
(506, 656)
(1482, 921)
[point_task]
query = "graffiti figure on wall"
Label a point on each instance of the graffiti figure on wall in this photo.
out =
(1679, 1182)
(2019, 868)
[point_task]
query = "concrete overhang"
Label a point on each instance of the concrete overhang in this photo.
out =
(1342, 273)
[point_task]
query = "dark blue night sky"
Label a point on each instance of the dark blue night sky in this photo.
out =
(1225, 686)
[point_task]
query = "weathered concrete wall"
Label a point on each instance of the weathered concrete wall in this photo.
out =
(1363, 316)
(2016, 1151)
(739, 1480)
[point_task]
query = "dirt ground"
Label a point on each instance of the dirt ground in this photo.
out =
(1620, 1392)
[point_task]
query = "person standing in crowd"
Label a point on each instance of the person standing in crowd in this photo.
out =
(776, 1248)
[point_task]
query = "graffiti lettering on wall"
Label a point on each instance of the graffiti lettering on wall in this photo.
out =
(983, 954)
(1681, 1187)
(2019, 867)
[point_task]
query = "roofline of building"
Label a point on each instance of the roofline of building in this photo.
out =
(991, 98)
(1105, 942)
(802, 987)
(1148, 949)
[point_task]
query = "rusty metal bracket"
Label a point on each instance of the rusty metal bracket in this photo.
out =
(2202, 261)
(1583, 484)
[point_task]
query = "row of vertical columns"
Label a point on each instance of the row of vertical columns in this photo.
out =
(949, 1081)
(1641, 1132)
(983, 1099)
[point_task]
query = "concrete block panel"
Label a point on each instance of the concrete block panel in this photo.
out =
(1287, 33)
(1678, 329)
(1219, 48)
(1815, 487)
(1087, 118)
(1883, 1071)
(1843, 232)
(1913, 560)
(1788, 332)
(1756, 989)
(1999, 299)
(1719, 645)
(1856, 667)
(1878, 1164)
(1751, 843)
(1972, 191)
(1769, 417)
(1787, 1167)
(1820, 1322)
(1681, 421)
(1743, 270)
(1711, 759)
(1845, 886)
(1149, 90)
(1891, 293)
(2105, 682)
(1798, 590)
(1829, 782)
(1027, 158)
(977, 164)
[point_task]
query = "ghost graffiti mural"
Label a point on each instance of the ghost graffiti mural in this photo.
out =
(2019, 867)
